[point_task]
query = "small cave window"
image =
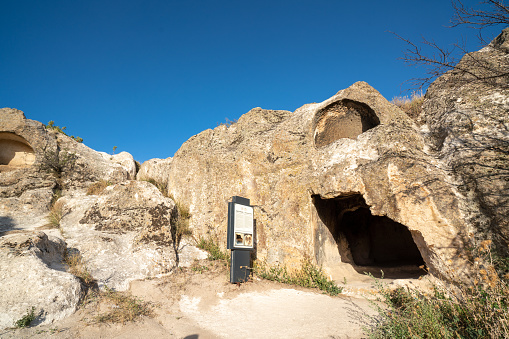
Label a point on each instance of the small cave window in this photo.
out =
(343, 119)
(367, 241)
(15, 152)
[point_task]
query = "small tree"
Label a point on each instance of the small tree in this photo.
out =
(442, 59)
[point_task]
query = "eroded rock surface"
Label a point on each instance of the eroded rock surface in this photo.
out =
(32, 274)
(466, 112)
(124, 233)
(155, 169)
(325, 180)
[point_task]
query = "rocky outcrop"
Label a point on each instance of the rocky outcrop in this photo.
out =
(36, 161)
(346, 182)
(466, 115)
(125, 233)
(33, 275)
(155, 169)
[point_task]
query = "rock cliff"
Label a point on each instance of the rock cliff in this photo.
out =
(347, 182)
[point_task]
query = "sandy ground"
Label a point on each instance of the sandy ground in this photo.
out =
(201, 303)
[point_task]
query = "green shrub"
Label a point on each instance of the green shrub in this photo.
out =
(26, 320)
(215, 253)
(51, 125)
(308, 275)
(56, 162)
(476, 310)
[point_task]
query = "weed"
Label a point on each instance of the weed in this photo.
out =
(162, 187)
(227, 122)
(411, 106)
(78, 268)
(123, 307)
(476, 310)
(55, 214)
(199, 268)
(27, 319)
(57, 161)
(308, 275)
(51, 125)
(215, 252)
(98, 187)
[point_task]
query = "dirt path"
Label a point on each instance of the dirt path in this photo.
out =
(201, 303)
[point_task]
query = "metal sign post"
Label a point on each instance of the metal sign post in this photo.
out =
(240, 238)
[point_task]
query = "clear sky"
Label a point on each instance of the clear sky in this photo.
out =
(146, 75)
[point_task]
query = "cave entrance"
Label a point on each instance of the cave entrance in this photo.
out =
(15, 152)
(368, 242)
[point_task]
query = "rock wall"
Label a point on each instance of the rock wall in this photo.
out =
(466, 115)
(307, 171)
(26, 190)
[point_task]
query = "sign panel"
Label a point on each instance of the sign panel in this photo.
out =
(243, 226)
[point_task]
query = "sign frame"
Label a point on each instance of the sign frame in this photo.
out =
(240, 224)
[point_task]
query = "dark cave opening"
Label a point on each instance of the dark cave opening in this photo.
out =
(367, 241)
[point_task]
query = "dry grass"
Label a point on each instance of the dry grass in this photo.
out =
(55, 214)
(122, 307)
(479, 309)
(98, 187)
(162, 187)
(77, 267)
(411, 106)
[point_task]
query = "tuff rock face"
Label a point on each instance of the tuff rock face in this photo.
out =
(347, 182)
(32, 274)
(155, 169)
(466, 115)
(122, 234)
(26, 189)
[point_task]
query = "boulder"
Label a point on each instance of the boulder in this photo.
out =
(33, 275)
(123, 234)
(155, 169)
(347, 183)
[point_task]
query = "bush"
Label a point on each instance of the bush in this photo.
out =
(308, 275)
(26, 320)
(215, 252)
(56, 162)
(477, 310)
(51, 125)
(411, 106)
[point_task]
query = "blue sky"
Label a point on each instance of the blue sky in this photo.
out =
(147, 75)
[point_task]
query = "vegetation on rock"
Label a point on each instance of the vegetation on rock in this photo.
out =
(123, 307)
(27, 319)
(479, 309)
(51, 125)
(308, 275)
(411, 106)
(98, 187)
(215, 253)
